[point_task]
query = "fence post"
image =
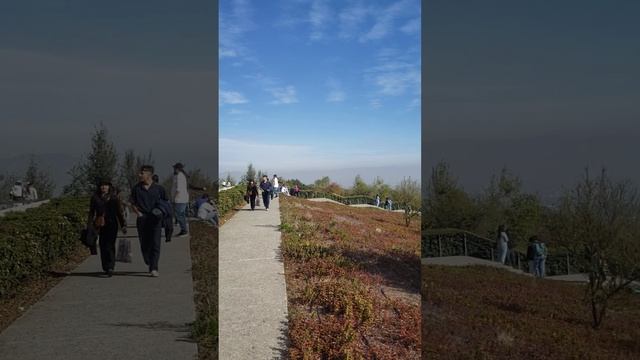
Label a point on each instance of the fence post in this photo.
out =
(439, 246)
(464, 238)
(492, 254)
(568, 269)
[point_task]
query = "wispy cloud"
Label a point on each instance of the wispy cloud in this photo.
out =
(284, 95)
(336, 94)
(411, 27)
(232, 97)
(351, 18)
(395, 73)
(233, 26)
(385, 19)
(237, 112)
(375, 103)
(319, 15)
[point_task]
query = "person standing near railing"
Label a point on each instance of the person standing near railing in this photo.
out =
(503, 243)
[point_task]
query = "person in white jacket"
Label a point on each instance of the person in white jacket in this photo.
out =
(503, 243)
(276, 188)
(180, 197)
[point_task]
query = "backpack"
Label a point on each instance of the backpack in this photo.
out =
(540, 250)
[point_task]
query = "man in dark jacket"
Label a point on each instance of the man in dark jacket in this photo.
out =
(266, 187)
(145, 198)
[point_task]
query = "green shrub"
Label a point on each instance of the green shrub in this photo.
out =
(32, 240)
(229, 199)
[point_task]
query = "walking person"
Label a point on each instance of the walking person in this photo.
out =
(266, 187)
(503, 244)
(377, 200)
(31, 192)
(106, 217)
(167, 221)
(145, 199)
(274, 192)
(252, 193)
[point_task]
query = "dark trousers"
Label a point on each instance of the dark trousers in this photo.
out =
(252, 199)
(149, 229)
(108, 235)
(265, 198)
(168, 227)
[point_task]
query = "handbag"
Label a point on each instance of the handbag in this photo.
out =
(124, 250)
(99, 221)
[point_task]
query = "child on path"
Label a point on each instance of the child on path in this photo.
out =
(274, 192)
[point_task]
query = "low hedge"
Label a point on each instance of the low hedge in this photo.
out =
(32, 240)
(229, 199)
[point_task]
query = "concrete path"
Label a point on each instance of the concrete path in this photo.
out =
(128, 316)
(468, 261)
(23, 207)
(253, 296)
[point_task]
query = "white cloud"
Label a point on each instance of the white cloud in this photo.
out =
(232, 28)
(336, 94)
(375, 103)
(396, 73)
(232, 97)
(411, 27)
(319, 15)
(385, 18)
(237, 112)
(350, 20)
(284, 95)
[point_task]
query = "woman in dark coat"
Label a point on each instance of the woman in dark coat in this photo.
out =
(106, 217)
(252, 193)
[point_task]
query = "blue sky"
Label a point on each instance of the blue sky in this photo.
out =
(319, 85)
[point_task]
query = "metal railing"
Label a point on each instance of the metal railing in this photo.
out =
(456, 242)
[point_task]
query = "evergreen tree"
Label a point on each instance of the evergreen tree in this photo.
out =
(99, 164)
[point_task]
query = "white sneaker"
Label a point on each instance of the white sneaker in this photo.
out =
(155, 273)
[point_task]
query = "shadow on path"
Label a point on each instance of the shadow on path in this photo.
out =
(99, 274)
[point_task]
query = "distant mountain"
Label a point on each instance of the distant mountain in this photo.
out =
(57, 165)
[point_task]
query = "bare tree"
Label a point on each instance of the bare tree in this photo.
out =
(600, 220)
(408, 196)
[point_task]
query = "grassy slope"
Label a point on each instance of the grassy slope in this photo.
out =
(352, 282)
(486, 313)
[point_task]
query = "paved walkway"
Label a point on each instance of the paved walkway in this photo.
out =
(253, 297)
(128, 316)
(23, 207)
(468, 261)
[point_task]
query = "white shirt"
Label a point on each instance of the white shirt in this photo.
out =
(275, 181)
(205, 209)
(179, 191)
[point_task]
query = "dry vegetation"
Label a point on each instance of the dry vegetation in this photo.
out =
(353, 278)
(204, 257)
(486, 313)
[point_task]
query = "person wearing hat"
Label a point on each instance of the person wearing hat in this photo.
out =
(106, 217)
